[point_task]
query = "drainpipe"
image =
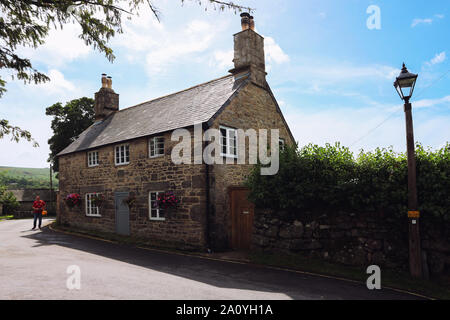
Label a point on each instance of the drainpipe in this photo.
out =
(208, 211)
(208, 201)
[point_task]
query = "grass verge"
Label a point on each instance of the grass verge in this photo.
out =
(435, 288)
(6, 217)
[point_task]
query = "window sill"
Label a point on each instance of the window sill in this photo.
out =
(93, 215)
(158, 219)
(122, 164)
(158, 156)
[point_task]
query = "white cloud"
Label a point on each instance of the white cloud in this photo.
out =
(196, 38)
(223, 59)
(421, 21)
(273, 52)
(58, 83)
(321, 72)
(439, 58)
(426, 103)
(60, 47)
(418, 21)
(151, 42)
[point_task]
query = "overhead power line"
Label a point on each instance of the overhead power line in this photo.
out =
(396, 111)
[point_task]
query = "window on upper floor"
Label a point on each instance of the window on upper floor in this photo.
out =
(282, 144)
(122, 154)
(228, 142)
(156, 147)
(92, 158)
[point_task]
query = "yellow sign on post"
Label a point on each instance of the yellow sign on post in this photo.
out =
(414, 214)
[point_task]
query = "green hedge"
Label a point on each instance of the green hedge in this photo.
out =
(8, 200)
(329, 178)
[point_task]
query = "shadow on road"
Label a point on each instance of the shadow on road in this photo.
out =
(218, 273)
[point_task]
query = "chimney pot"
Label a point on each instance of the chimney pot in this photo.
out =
(252, 23)
(104, 81)
(245, 21)
(109, 81)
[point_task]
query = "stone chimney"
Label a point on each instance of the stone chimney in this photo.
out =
(106, 100)
(249, 52)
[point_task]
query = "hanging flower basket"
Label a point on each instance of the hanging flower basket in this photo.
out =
(98, 199)
(166, 200)
(130, 200)
(73, 200)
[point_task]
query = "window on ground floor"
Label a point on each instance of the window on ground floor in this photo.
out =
(91, 209)
(155, 212)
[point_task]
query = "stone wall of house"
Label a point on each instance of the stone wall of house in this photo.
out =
(183, 227)
(253, 108)
(351, 239)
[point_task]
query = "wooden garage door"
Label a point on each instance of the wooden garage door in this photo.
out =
(242, 212)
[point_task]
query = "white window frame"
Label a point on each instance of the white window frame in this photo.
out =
(120, 161)
(158, 210)
(228, 154)
(92, 158)
(153, 144)
(91, 211)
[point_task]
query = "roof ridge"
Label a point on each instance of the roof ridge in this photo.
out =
(177, 92)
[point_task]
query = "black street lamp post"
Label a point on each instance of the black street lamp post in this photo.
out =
(405, 84)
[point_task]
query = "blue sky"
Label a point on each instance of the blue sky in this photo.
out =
(331, 75)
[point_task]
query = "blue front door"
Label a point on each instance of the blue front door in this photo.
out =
(122, 214)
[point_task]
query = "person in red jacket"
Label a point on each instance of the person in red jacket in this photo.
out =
(38, 207)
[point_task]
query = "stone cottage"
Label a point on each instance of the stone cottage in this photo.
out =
(126, 155)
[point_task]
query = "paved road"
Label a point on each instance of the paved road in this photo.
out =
(33, 265)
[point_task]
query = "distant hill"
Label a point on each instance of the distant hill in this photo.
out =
(22, 178)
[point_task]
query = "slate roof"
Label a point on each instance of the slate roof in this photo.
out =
(179, 110)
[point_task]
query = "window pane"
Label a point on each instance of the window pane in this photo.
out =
(161, 213)
(152, 148)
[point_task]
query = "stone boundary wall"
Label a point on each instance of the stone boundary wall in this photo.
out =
(351, 239)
